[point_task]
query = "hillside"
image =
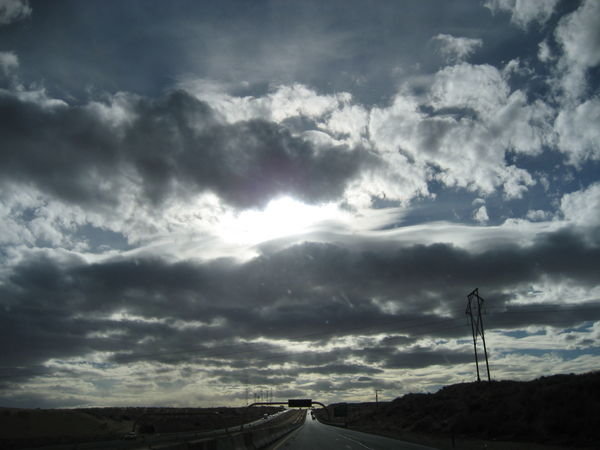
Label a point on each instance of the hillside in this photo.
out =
(21, 428)
(561, 410)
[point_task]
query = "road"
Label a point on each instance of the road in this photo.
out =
(314, 434)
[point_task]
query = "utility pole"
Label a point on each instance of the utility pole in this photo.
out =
(377, 391)
(247, 389)
(474, 302)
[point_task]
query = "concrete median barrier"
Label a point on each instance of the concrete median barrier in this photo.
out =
(244, 440)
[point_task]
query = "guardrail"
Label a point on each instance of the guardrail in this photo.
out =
(247, 440)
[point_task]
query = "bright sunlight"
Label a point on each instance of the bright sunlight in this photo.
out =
(281, 217)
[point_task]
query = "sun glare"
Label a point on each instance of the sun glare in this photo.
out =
(281, 217)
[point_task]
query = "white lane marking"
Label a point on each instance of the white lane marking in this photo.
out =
(355, 441)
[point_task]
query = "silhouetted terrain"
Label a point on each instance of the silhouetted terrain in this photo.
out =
(562, 410)
(21, 428)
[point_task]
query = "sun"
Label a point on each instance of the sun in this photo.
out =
(281, 217)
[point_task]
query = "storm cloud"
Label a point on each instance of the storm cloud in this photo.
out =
(170, 146)
(326, 291)
(294, 197)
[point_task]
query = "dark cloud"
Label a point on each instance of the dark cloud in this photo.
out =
(100, 135)
(64, 151)
(326, 386)
(174, 145)
(415, 358)
(349, 369)
(24, 399)
(289, 374)
(334, 46)
(9, 376)
(310, 292)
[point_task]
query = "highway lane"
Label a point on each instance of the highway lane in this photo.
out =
(315, 435)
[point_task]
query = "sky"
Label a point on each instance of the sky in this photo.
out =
(200, 201)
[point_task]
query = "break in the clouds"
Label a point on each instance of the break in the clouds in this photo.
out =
(294, 196)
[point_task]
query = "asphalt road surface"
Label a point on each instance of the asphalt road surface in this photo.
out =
(315, 435)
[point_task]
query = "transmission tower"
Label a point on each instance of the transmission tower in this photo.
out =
(474, 302)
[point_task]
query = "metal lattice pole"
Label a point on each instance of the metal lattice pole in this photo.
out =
(477, 329)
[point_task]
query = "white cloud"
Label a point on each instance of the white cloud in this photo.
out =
(581, 207)
(298, 100)
(538, 215)
(282, 103)
(8, 63)
(481, 215)
(517, 366)
(30, 218)
(13, 10)
(414, 147)
(523, 12)
(479, 87)
(515, 181)
(579, 36)
(544, 52)
(578, 131)
(552, 291)
(463, 146)
(516, 67)
(350, 122)
(456, 49)
(506, 117)
(477, 121)
(542, 338)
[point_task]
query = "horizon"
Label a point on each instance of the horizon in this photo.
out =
(200, 201)
(283, 403)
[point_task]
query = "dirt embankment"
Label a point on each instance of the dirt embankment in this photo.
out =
(559, 410)
(34, 427)
(20, 428)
